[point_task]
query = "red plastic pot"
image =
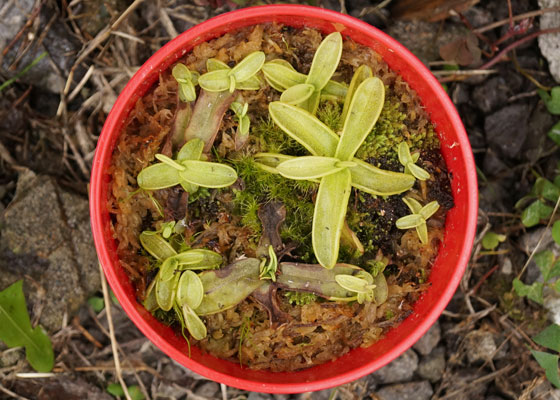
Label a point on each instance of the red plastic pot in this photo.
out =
(449, 265)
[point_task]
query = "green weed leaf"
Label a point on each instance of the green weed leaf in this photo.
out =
(328, 217)
(533, 214)
(16, 330)
(533, 292)
(549, 337)
(549, 363)
(544, 261)
(96, 303)
(554, 133)
(556, 232)
(491, 240)
(551, 100)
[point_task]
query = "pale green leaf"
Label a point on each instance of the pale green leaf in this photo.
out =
(403, 152)
(422, 231)
(429, 209)
(413, 204)
(237, 108)
(166, 291)
(297, 94)
(156, 245)
(335, 89)
(312, 103)
(248, 67)
(328, 217)
(309, 167)
(232, 83)
(361, 74)
(150, 302)
(168, 161)
(269, 161)
(325, 61)
(16, 330)
(187, 92)
(410, 221)
(213, 64)
(363, 113)
(215, 81)
(158, 176)
(253, 83)
(208, 174)
(377, 181)
(167, 269)
(227, 287)
(189, 290)
(244, 125)
(311, 133)
(192, 150)
(353, 283)
(418, 172)
(194, 324)
(198, 259)
(181, 73)
(281, 76)
(381, 291)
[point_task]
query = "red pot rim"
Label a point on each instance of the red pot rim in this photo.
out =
(460, 226)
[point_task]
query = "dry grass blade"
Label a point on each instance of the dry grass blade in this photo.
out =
(107, 299)
(12, 394)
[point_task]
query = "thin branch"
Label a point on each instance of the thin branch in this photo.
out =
(516, 18)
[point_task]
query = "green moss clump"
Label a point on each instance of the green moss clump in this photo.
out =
(391, 129)
(300, 298)
(261, 187)
(329, 112)
(272, 139)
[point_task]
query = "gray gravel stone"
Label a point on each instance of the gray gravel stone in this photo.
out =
(46, 236)
(507, 129)
(399, 370)
(491, 94)
(429, 341)
(550, 44)
(480, 346)
(209, 390)
(406, 391)
(432, 366)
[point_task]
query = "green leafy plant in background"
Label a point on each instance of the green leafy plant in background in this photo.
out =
(550, 269)
(550, 339)
(551, 100)
(134, 391)
(491, 240)
(16, 330)
(539, 203)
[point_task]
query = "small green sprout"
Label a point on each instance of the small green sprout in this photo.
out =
(243, 123)
(409, 162)
(361, 284)
(268, 269)
(187, 80)
(333, 163)
(305, 91)
(418, 217)
(243, 76)
(187, 170)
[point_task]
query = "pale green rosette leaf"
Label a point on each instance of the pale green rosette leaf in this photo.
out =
(166, 291)
(429, 209)
(248, 67)
(158, 176)
(192, 150)
(413, 204)
(311, 133)
(310, 167)
(365, 108)
(189, 290)
(157, 246)
(194, 324)
(410, 221)
(328, 218)
(377, 181)
(208, 174)
(297, 94)
(325, 61)
(215, 81)
(362, 73)
(213, 64)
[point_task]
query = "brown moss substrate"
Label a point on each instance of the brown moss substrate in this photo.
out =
(319, 331)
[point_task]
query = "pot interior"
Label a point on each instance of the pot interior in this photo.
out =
(450, 262)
